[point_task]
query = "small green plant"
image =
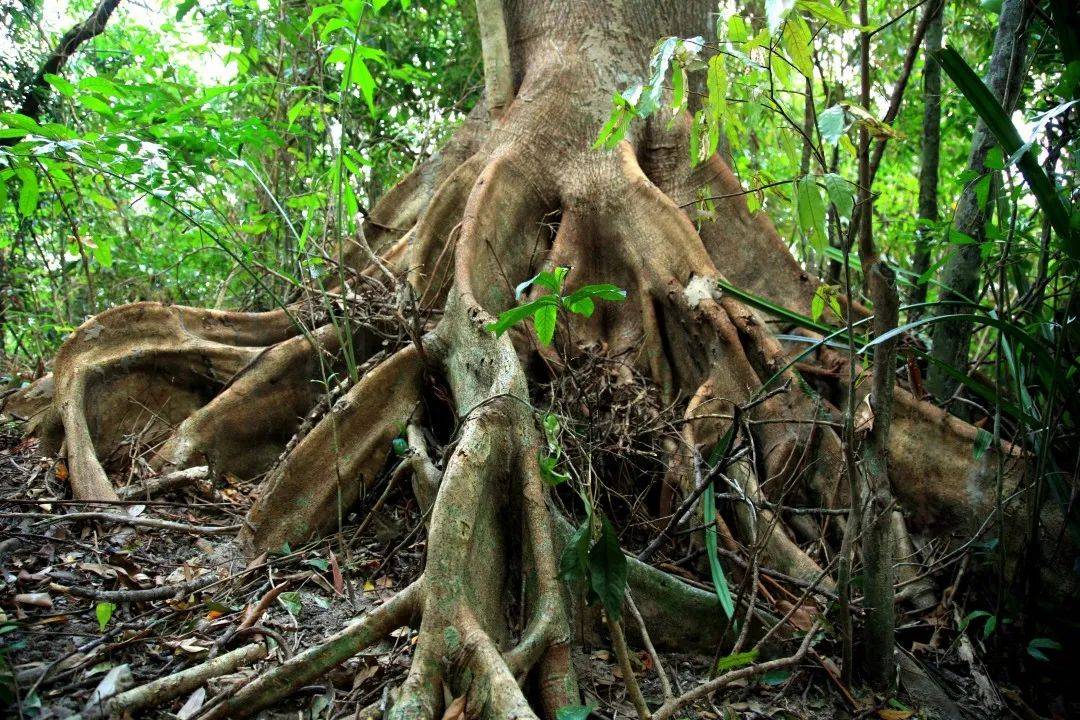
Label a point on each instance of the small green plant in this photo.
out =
(544, 310)
(104, 612)
(601, 562)
(549, 461)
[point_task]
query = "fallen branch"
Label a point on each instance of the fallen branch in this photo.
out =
(164, 689)
(129, 520)
(165, 592)
(313, 662)
(164, 483)
(670, 707)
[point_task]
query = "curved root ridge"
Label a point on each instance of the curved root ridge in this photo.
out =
(464, 233)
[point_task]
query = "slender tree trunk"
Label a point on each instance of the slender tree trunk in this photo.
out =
(930, 156)
(960, 276)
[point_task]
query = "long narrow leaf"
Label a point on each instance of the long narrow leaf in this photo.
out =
(997, 120)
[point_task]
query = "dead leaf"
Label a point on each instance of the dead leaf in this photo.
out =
(887, 714)
(116, 680)
(193, 705)
(802, 618)
(864, 417)
(366, 673)
(38, 599)
(455, 710)
(335, 569)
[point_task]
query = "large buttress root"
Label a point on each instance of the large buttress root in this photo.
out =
(179, 355)
(252, 393)
(322, 476)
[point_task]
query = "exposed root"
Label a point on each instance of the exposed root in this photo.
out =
(313, 662)
(325, 473)
(241, 393)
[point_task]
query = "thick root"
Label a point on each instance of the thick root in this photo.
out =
(309, 492)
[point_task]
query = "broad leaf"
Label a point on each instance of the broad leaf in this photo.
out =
(832, 122)
(607, 570)
(811, 212)
(575, 556)
(544, 321)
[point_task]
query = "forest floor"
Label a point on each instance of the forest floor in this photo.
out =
(73, 628)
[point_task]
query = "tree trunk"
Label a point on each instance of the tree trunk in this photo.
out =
(960, 276)
(930, 153)
(506, 197)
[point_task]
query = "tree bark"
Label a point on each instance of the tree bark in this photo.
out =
(930, 153)
(961, 274)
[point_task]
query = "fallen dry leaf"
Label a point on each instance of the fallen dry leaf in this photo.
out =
(887, 714)
(335, 569)
(38, 599)
(455, 710)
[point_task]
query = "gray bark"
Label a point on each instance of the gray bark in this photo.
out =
(930, 152)
(960, 276)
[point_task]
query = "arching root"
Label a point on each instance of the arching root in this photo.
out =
(308, 493)
(174, 355)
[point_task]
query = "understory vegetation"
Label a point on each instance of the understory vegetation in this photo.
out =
(539, 359)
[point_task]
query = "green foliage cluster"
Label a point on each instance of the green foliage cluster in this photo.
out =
(212, 153)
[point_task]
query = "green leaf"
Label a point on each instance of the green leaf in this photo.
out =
(607, 570)
(723, 593)
(617, 123)
(841, 194)
(400, 446)
(737, 660)
(582, 306)
(828, 13)
(736, 29)
(318, 563)
(103, 253)
(982, 443)
(291, 602)
(776, 677)
(104, 612)
(548, 473)
(92, 102)
(515, 315)
(613, 293)
(810, 209)
(999, 123)
(551, 429)
(575, 556)
(28, 191)
(971, 616)
(797, 40)
(551, 279)
(832, 122)
(717, 86)
(544, 322)
(574, 712)
(1036, 646)
(361, 77)
(817, 304)
(62, 86)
